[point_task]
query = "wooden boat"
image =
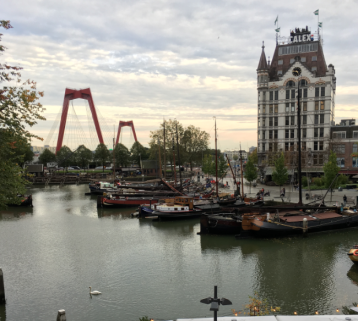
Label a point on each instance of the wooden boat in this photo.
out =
(120, 201)
(98, 188)
(26, 200)
(353, 254)
(292, 222)
(223, 223)
(181, 207)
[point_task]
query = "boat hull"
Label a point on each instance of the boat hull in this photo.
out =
(130, 202)
(220, 224)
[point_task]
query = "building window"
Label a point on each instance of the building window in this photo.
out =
(318, 159)
(316, 93)
(304, 133)
(300, 93)
(263, 134)
(287, 133)
(286, 147)
(322, 105)
(275, 134)
(355, 148)
(321, 145)
(304, 146)
(316, 119)
(303, 59)
(321, 132)
(279, 72)
(271, 95)
(292, 60)
(280, 62)
(276, 95)
(276, 121)
(291, 83)
(339, 135)
(305, 106)
(315, 132)
(292, 120)
(304, 120)
(292, 147)
(323, 90)
(264, 95)
(292, 94)
(270, 121)
(355, 161)
(263, 122)
(264, 108)
(271, 109)
(314, 69)
(340, 161)
(305, 93)
(316, 105)
(292, 107)
(315, 145)
(287, 120)
(314, 58)
(339, 148)
(292, 133)
(276, 109)
(321, 119)
(270, 134)
(259, 135)
(263, 147)
(270, 147)
(288, 108)
(259, 123)
(287, 94)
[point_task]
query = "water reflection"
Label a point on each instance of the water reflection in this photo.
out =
(176, 227)
(353, 274)
(116, 213)
(2, 312)
(15, 213)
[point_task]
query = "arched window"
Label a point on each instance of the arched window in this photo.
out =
(291, 83)
(303, 82)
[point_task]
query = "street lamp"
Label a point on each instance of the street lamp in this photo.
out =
(215, 302)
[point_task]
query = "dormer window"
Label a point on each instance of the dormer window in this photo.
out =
(303, 83)
(279, 72)
(280, 62)
(314, 69)
(314, 58)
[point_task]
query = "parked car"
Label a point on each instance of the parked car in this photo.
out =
(75, 167)
(100, 167)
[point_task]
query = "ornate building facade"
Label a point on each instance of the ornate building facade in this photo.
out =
(278, 90)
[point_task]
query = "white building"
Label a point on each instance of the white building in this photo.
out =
(277, 89)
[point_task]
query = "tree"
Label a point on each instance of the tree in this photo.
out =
(19, 109)
(280, 174)
(121, 156)
(138, 152)
(101, 154)
(64, 157)
(47, 156)
(250, 173)
(235, 157)
(254, 156)
(83, 156)
(208, 165)
(331, 170)
(222, 166)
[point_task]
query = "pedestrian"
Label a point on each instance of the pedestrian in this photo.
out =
(344, 200)
(284, 192)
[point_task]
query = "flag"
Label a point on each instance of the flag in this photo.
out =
(320, 24)
(316, 12)
(277, 30)
(276, 20)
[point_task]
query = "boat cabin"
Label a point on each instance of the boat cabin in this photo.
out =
(179, 203)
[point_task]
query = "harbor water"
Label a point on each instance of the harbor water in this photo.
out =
(50, 254)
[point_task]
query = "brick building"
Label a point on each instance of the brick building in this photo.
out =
(277, 106)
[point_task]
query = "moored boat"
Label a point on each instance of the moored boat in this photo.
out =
(353, 254)
(120, 201)
(26, 200)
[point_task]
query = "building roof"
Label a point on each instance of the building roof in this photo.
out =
(319, 63)
(262, 63)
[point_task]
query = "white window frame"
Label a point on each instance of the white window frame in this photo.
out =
(338, 135)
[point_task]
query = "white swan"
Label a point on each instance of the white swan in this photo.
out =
(94, 292)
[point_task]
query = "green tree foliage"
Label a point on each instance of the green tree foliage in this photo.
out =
(330, 170)
(47, 157)
(138, 152)
(254, 157)
(64, 157)
(280, 174)
(208, 165)
(222, 166)
(122, 156)
(83, 156)
(101, 154)
(19, 109)
(235, 158)
(250, 173)
(11, 174)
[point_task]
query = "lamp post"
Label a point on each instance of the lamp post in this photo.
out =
(215, 302)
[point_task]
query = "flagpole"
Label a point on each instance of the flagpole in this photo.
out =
(319, 38)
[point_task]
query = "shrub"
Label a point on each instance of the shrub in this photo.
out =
(304, 181)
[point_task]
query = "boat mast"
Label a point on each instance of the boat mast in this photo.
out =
(176, 126)
(175, 172)
(233, 175)
(216, 163)
(165, 164)
(299, 145)
(242, 174)
(160, 160)
(114, 164)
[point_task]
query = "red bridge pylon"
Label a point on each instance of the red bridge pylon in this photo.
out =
(123, 124)
(71, 94)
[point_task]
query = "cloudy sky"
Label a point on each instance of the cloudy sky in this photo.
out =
(189, 60)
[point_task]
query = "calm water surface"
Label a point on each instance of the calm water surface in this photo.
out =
(52, 253)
